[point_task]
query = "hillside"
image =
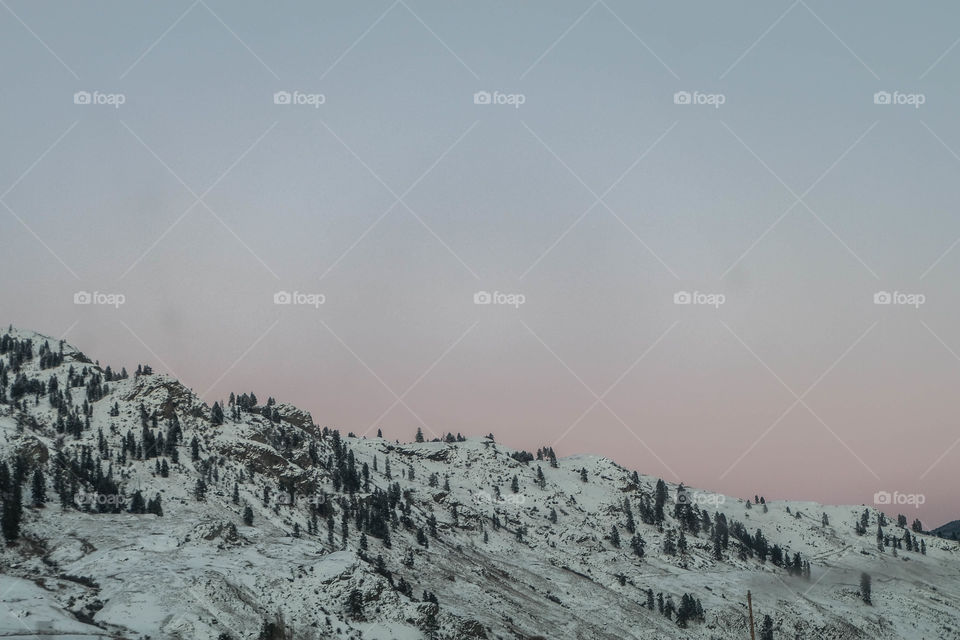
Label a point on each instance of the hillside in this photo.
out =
(164, 517)
(950, 530)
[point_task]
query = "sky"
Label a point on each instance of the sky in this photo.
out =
(714, 242)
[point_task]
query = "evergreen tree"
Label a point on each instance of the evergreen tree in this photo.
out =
(39, 489)
(865, 588)
(419, 436)
(615, 537)
(515, 485)
(660, 499)
(137, 505)
(194, 449)
(583, 475)
(766, 630)
(12, 512)
(154, 506)
(216, 414)
(355, 604)
(248, 516)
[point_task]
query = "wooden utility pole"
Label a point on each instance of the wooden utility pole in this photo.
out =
(750, 608)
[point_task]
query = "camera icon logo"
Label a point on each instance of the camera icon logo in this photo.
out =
(682, 297)
(481, 97)
(482, 297)
(82, 297)
(81, 97)
(682, 497)
(881, 97)
(282, 297)
(281, 97)
(882, 297)
(681, 97)
(882, 497)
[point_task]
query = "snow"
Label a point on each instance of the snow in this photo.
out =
(185, 575)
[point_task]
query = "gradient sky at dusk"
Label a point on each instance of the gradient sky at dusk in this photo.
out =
(597, 199)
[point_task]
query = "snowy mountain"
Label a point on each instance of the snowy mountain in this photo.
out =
(134, 510)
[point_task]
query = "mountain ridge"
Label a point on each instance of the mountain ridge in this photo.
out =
(366, 538)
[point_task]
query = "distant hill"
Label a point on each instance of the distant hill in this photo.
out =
(950, 530)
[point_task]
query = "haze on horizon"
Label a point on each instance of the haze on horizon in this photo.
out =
(799, 159)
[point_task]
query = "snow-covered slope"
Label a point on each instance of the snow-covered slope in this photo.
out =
(439, 540)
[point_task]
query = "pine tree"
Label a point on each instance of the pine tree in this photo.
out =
(615, 537)
(419, 436)
(39, 489)
(12, 512)
(660, 499)
(631, 526)
(194, 449)
(154, 506)
(355, 604)
(248, 516)
(515, 485)
(216, 414)
(865, 588)
(766, 630)
(583, 475)
(137, 505)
